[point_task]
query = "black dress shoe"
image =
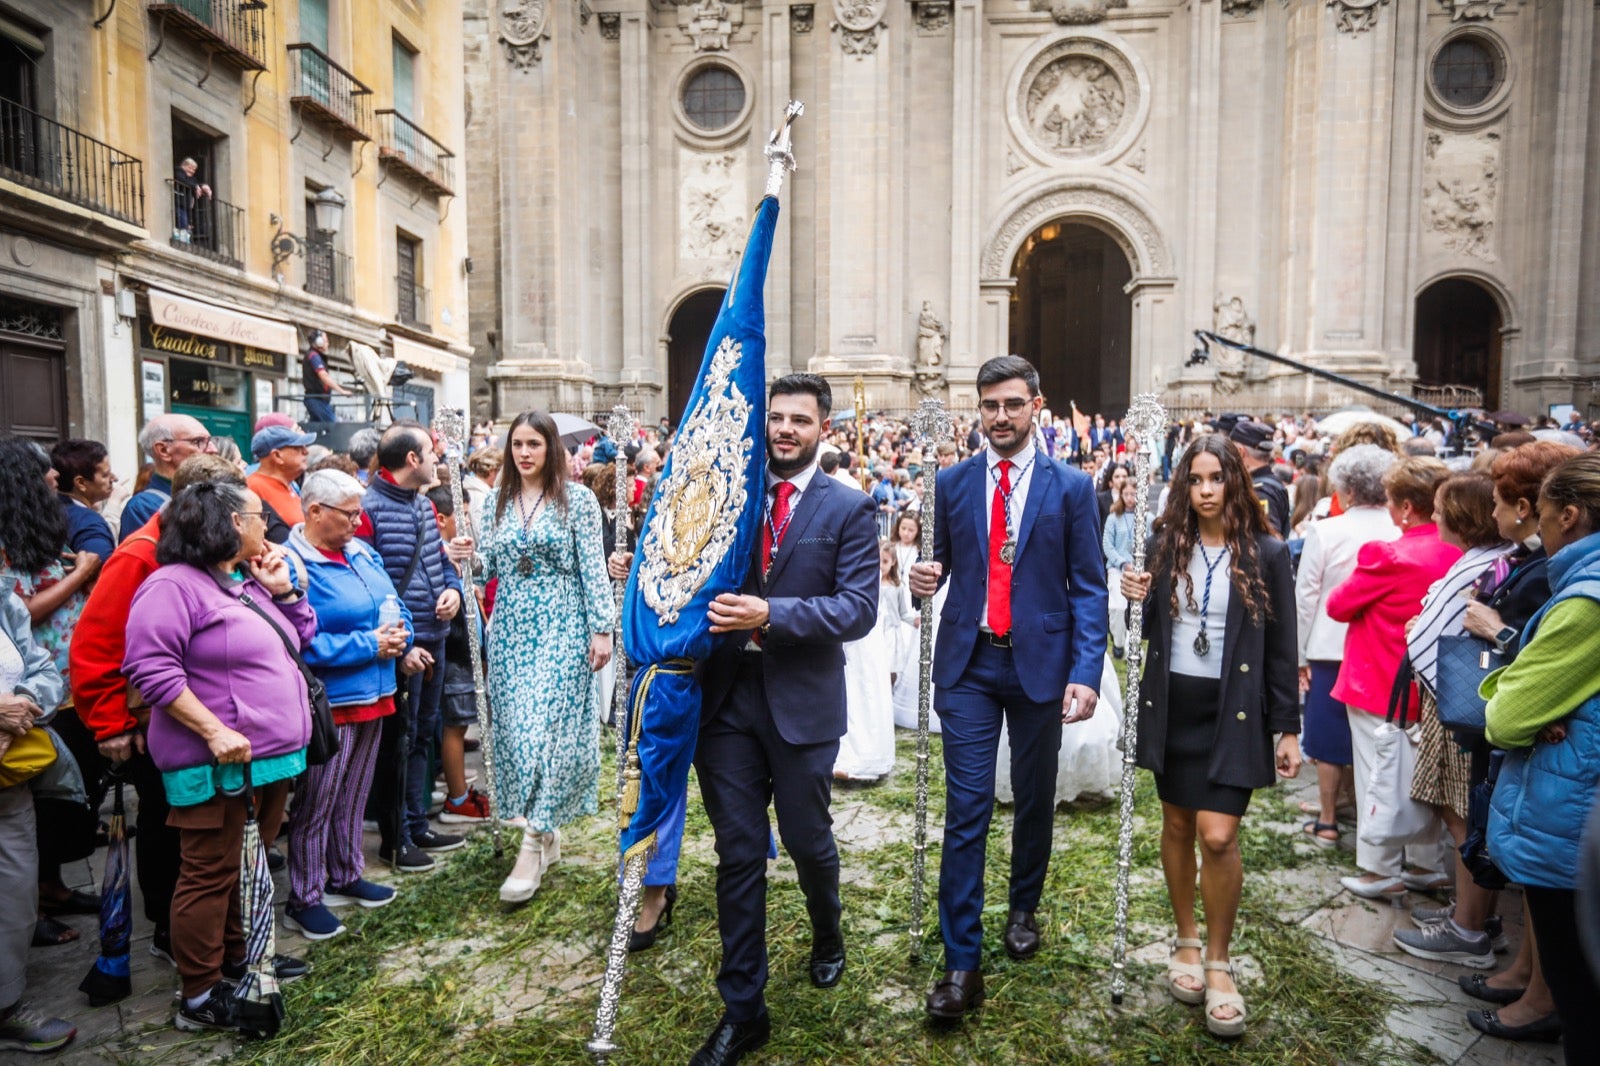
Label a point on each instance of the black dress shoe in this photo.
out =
(1477, 986)
(957, 992)
(1546, 1030)
(1022, 935)
(638, 941)
(827, 967)
(731, 1041)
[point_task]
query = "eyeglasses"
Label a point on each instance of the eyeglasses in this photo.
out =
(353, 517)
(1014, 406)
(252, 514)
(202, 443)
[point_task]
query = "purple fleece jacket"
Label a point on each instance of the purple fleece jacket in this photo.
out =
(185, 630)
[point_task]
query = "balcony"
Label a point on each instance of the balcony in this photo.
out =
(329, 95)
(230, 30)
(206, 226)
(411, 304)
(44, 155)
(328, 272)
(405, 147)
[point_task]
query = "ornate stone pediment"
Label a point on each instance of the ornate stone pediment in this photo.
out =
(1356, 16)
(710, 24)
(1077, 12)
(1467, 10)
(801, 17)
(931, 16)
(857, 22)
(523, 28)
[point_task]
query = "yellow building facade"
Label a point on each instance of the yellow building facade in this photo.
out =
(190, 190)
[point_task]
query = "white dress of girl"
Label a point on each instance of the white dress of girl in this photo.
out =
(1090, 764)
(866, 751)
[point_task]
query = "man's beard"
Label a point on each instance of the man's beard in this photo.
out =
(1023, 438)
(787, 467)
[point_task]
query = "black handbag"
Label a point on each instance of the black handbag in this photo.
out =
(324, 743)
(1462, 662)
(1475, 848)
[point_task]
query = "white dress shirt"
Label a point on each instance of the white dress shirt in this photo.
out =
(1021, 478)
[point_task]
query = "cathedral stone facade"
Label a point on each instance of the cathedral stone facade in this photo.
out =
(1403, 191)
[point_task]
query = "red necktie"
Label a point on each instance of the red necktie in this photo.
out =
(777, 524)
(999, 569)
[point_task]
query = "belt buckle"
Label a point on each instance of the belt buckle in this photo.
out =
(999, 640)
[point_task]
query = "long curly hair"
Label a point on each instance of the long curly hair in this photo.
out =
(1243, 520)
(33, 526)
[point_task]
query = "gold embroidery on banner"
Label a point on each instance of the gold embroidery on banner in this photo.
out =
(700, 501)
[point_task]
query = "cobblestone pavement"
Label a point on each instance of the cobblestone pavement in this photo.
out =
(1357, 932)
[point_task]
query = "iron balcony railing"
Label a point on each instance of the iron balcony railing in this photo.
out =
(329, 94)
(59, 161)
(411, 303)
(206, 226)
(233, 30)
(328, 272)
(406, 147)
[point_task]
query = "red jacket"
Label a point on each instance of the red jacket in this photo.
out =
(1380, 596)
(99, 691)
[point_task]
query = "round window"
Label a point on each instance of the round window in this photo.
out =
(1467, 71)
(713, 98)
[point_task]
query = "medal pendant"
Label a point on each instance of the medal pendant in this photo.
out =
(1008, 552)
(525, 566)
(1202, 644)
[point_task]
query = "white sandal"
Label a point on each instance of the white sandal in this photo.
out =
(1215, 999)
(521, 889)
(1176, 969)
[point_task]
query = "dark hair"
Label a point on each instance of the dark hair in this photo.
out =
(1576, 483)
(442, 500)
(399, 441)
(1243, 520)
(197, 526)
(1466, 503)
(902, 517)
(1110, 472)
(813, 385)
(829, 461)
(33, 526)
(205, 467)
(76, 458)
(601, 479)
(554, 474)
(1006, 368)
(1308, 491)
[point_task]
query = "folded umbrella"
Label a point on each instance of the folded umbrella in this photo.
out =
(260, 1007)
(107, 980)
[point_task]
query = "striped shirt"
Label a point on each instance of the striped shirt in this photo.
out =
(1444, 610)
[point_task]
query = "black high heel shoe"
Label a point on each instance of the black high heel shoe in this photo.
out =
(638, 941)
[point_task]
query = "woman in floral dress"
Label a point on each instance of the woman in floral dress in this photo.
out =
(551, 630)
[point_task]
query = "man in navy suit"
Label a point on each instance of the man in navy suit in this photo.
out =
(774, 707)
(1022, 635)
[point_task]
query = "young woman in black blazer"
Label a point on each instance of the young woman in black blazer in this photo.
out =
(1220, 680)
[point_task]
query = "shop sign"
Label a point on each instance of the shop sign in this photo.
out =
(167, 340)
(226, 324)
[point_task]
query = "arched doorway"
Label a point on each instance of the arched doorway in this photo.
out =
(1071, 318)
(1457, 339)
(687, 334)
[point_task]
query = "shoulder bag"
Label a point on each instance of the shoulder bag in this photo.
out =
(1463, 662)
(1391, 817)
(324, 743)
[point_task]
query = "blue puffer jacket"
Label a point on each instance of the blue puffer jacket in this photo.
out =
(399, 516)
(344, 653)
(1542, 799)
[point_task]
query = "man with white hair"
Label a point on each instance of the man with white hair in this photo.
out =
(168, 440)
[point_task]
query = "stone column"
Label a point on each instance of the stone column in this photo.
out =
(966, 350)
(1202, 122)
(776, 86)
(640, 377)
(991, 337)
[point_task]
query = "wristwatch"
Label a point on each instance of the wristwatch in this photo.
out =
(1503, 639)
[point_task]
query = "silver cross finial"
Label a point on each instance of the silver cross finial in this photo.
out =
(779, 149)
(621, 425)
(931, 422)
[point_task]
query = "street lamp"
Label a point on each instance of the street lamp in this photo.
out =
(328, 215)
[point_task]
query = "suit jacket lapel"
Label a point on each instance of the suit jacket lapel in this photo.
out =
(804, 512)
(1038, 488)
(979, 482)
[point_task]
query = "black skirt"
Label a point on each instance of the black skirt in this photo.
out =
(1191, 736)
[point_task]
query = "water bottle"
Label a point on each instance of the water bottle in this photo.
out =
(389, 612)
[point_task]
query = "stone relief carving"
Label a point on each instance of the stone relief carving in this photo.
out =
(931, 15)
(710, 219)
(1460, 173)
(1240, 8)
(611, 25)
(1139, 160)
(858, 23)
(1228, 319)
(1074, 105)
(1077, 12)
(1356, 16)
(585, 13)
(1134, 232)
(1466, 10)
(802, 17)
(523, 30)
(1013, 163)
(931, 336)
(710, 24)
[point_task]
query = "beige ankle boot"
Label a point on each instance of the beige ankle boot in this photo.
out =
(528, 871)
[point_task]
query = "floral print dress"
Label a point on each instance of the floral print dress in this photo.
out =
(543, 698)
(54, 633)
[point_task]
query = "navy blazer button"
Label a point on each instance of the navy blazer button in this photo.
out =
(1244, 668)
(1240, 716)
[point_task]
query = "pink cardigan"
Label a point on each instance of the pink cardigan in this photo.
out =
(1379, 597)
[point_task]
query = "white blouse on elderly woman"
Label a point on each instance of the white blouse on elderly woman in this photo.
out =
(1444, 611)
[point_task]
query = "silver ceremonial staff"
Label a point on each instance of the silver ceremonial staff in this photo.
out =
(780, 160)
(1144, 424)
(451, 425)
(620, 427)
(931, 424)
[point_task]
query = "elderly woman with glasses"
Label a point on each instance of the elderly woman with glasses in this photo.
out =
(211, 653)
(354, 654)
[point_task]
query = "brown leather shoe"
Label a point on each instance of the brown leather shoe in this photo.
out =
(957, 992)
(1022, 935)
